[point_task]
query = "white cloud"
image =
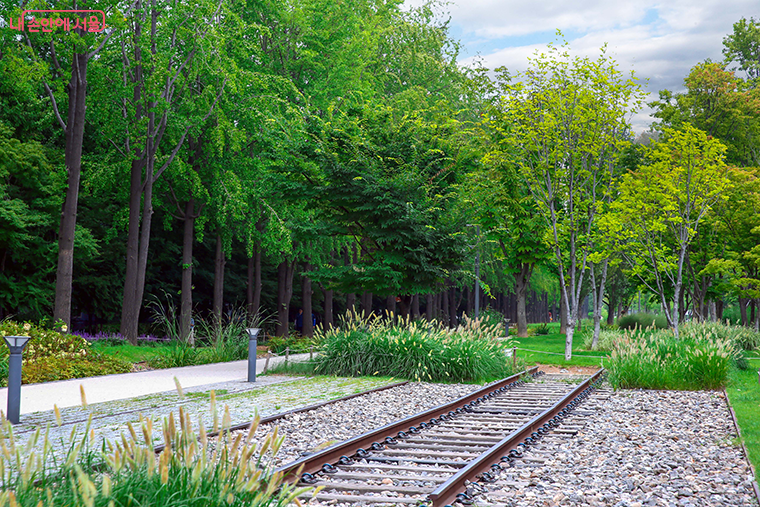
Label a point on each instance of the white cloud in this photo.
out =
(660, 41)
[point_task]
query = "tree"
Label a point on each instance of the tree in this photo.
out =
(566, 120)
(743, 47)
(661, 206)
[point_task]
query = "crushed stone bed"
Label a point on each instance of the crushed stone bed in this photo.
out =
(643, 448)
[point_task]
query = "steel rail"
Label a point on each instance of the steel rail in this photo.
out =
(331, 455)
(447, 492)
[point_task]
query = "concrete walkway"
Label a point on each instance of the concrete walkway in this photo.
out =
(67, 393)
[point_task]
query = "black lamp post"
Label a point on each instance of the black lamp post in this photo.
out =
(16, 344)
(253, 333)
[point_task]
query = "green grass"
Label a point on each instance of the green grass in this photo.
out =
(548, 346)
(744, 394)
(131, 353)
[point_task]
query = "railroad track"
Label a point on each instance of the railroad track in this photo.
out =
(436, 457)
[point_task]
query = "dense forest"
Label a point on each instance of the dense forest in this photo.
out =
(317, 155)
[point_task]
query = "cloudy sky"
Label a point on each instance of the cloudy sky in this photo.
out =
(659, 40)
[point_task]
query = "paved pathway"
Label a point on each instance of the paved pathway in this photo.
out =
(67, 393)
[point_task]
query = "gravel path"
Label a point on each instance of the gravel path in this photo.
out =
(644, 448)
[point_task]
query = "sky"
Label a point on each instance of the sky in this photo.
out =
(659, 40)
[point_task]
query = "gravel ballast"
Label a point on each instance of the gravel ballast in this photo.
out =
(643, 448)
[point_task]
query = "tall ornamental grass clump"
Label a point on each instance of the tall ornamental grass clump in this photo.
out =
(421, 351)
(657, 360)
(192, 470)
(742, 337)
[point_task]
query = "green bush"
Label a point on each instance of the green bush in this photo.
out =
(414, 350)
(642, 321)
(193, 470)
(50, 355)
(657, 360)
(176, 355)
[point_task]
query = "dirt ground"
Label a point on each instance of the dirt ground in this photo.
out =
(570, 370)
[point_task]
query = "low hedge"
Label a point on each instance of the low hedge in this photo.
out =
(642, 321)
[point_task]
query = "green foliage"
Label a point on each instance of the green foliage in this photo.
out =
(50, 355)
(658, 360)
(414, 350)
(642, 321)
(607, 338)
(542, 329)
(278, 344)
(193, 470)
(178, 354)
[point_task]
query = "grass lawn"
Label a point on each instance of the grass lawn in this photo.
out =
(131, 353)
(551, 349)
(744, 393)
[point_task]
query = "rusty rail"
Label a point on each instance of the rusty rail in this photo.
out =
(447, 492)
(331, 455)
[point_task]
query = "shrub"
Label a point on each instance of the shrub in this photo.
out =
(542, 329)
(414, 350)
(177, 355)
(192, 470)
(642, 321)
(51, 355)
(656, 360)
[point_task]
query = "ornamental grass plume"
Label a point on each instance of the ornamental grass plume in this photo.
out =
(192, 469)
(416, 350)
(655, 359)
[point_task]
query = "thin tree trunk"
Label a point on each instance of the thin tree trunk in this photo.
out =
(308, 325)
(444, 307)
(562, 316)
(219, 264)
(186, 295)
(453, 307)
(743, 311)
(284, 294)
(329, 320)
(390, 306)
(522, 280)
(73, 161)
(598, 300)
(366, 304)
(415, 306)
(351, 296)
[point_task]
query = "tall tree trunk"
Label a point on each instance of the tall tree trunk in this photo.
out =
(562, 316)
(597, 291)
(366, 304)
(186, 295)
(719, 310)
(522, 280)
(444, 307)
(253, 292)
(329, 320)
(74, 132)
(390, 306)
(743, 311)
(611, 310)
(415, 306)
(284, 293)
(453, 307)
(308, 326)
(351, 296)
(219, 264)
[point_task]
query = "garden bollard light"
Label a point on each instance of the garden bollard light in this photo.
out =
(16, 344)
(253, 334)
